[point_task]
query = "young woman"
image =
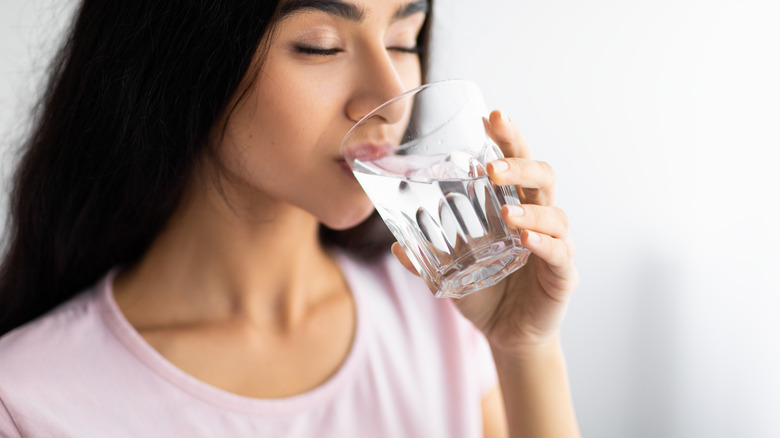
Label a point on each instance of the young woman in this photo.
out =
(174, 265)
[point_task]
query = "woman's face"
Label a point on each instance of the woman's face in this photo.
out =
(328, 64)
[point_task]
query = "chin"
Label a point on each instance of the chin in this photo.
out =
(347, 219)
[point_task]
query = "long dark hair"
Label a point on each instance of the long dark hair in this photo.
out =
(132, 96)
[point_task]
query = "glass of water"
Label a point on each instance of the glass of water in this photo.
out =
(420, 158)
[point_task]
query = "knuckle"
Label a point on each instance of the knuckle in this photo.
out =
(569, 252)
(547, 169)
(563, 217)
(561, 256)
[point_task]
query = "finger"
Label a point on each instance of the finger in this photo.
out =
(400, 254)
(557, 253)
(507, 136)
(551, 221)
(521, 172)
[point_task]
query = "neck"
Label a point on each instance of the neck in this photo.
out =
(219, 260)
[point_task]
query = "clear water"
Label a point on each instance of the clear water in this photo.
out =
(446, 213)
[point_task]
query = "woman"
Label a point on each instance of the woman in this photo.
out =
(174, 266)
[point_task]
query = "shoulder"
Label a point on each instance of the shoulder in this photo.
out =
(46, 332)
(47, 362)
(45, 349)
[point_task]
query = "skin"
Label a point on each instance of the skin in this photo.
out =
(238, 281)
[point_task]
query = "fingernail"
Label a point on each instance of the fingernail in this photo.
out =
(533, 237)
(499, 166)
(505, 117)
(515, 210)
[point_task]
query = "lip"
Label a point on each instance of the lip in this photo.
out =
(368, 151)
(345, 167)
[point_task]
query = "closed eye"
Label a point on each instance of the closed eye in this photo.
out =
(321, 51)
(317, 51)
(415, 50)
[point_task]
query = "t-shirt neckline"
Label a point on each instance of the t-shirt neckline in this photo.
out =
(164, 369)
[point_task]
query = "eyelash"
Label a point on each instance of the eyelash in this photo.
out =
(316, 51)
(307, 50)
(414, 50)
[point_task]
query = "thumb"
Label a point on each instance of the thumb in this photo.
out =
(400, 254)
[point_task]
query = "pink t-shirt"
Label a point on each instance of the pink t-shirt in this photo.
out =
(416, 368)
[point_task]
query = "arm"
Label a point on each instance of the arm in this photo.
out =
(536, 393)
(493, 414)
(521, 318)
(532, 398)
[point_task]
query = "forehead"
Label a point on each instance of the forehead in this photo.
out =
(354, 10)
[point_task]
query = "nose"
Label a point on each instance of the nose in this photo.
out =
(378, 81)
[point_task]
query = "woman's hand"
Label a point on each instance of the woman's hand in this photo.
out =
(522, 315)
(524, 311)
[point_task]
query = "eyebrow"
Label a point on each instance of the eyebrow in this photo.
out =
(411, 9)
(347, 10)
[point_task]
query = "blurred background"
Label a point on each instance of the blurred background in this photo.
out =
(662, 120)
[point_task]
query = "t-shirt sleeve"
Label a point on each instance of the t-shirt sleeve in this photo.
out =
(7, 427)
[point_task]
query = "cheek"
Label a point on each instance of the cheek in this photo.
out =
(410, 73)
(267, 138)
(286, 165)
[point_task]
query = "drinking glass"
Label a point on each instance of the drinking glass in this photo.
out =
(420, 157)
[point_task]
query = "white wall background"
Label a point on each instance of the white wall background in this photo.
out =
(662, 119)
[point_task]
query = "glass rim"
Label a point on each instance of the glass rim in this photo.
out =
(403, 95)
